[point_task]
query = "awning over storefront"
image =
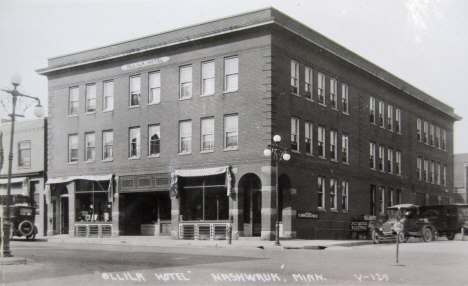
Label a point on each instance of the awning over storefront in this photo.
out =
(63, 180)
(15, 191)
(201, 173)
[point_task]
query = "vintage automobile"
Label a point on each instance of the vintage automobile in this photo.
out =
(411, 224)
(22, 221)
(446, 220)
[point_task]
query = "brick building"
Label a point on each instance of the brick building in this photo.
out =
(460, 167)
(165, 134)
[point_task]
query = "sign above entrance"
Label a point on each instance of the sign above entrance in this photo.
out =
(309, 215)
(145, 63)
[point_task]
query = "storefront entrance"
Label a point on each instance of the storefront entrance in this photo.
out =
(252, 206)
(64, 210)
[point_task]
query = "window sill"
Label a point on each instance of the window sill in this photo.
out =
(296, 151)
(185, 153)
(207, 94)
(296, 94)
(334, 160)
(107, 110)
(134, 158)
(322, 104)
(309, 154)
(334, 210)
(323, 158)
(334, 108)
(134, 106)
(346, 113)
(90, 162)
(373, 169)
(322, 210)
(73, 115)
(345, 211)
(24, 167)
(90, 112)
(108, 160)
(73, 163)
(206, 151)
(346, 163)
(230, 91)
(309, 99)
(185, 98)
(154, 103)
(230, 149)
(373, 123)
(154, 156)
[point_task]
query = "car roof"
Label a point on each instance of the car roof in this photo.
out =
(404, 206)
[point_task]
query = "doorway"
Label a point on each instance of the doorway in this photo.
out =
(64, 208)
(252, 205)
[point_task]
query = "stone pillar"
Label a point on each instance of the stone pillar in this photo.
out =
(50, 216)
(268, 203)
(175, 217)
(115, 215)
(289, 217)
(236, 212)
(71, 208)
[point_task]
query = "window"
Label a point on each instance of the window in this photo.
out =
(185, 82)
(372, 155)
(24, 154)
(73, 100)
(426, 170)
(390, 117)
(90, 147)
(135, 87)
(431, 172)
(390, 198)
(308, 137)
(321, 141)
(437, 139)
(308, 83)
(185, 136)
(107, 145)
(321, 88)
(373, 195)
(344, 98)
(134, 142)
(72, 148)
(344, 195)
(382, 200)
(381, 114)
(333, 143)
(431, 135)
(154, 137)
(398, 199)
(91, 98)
(91, 201)
(321, 192)
(108, 103)
(419, 168)
(382, 158)
(294, 134)
(231, 72)
(398, 121)
(425, 132)
(154, 87)
(333, 87)
(390, 160)
(207, 136)
(372, 109)
(294, 77)
(398, 162)
(443, 179)
(419, 130)
(231, 131)
(444, 138)
(208, 78)
(437, 174)
(333, 189)
(345, 148)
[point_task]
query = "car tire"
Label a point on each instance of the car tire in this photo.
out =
(427, 234)
(375, 237)
(25, 223)
(450, 236)
(402, 237)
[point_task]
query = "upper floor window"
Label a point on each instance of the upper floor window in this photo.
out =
(333, 193)
(294, 134)
(382, 200)
(333, 87)
(154, 138)
(308, 83)
(381, 114)
(321, 88)
(72, 148)
(231, 131)
(426, 170)
(344, 195)
(185, 82)
(134, 144)
(344, 98)
(321, 192)
(398, 162)
(437, 174)
(308, 134)
(91, 97)
(231, 73)
(419, 168)
(90, 147)
(333, 144)
(294, 77)
(208, 78)
(135, 87)
(372, 155)
(431, 135)
(154, 87)
(107, 145)
(108, 101)
(207, 130)
(390, 117)
(73, 100)
(321, 141)
(390, 160)
(345, 148)
(372, 109)
(444, 140)
(431, 172)
(24, 154)
(419, 129)
(382, 158)
(437, 138)
(390, 197)
(185, 136)
(443, 179)
(398, 121)
(425, 132)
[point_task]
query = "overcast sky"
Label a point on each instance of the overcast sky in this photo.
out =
(423, 42)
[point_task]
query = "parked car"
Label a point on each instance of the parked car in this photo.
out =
(446, 220)
(406, 217)
(22, 221)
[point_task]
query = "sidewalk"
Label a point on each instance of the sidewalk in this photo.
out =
(167, 241)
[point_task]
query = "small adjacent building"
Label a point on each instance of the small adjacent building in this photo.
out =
(461, 177)
(164, 135)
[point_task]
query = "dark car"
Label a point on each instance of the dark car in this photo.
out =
(22, 221)
(446, 220)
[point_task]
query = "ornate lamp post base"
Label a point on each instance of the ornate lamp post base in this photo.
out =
(5, 239)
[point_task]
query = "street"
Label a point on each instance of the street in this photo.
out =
(441, 262)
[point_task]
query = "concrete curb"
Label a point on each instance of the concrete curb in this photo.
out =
(12, 260)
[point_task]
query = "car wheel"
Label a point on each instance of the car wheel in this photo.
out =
(375, 237)
(26, 228)
(402, 238)
(31, 237)
(427, 234)
(450, 236)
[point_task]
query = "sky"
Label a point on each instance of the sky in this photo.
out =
(423, 42)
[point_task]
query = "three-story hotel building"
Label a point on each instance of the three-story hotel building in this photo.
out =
(164, 135)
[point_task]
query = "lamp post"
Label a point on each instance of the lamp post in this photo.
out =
(39, 112)
(277, 153)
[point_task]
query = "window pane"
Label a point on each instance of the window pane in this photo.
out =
(232, 65)
(108, 142)
(108, 95)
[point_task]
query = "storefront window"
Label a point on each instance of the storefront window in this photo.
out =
(91, 201)
(204, 198)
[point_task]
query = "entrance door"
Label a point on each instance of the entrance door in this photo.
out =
(64, 214)
(256, 212)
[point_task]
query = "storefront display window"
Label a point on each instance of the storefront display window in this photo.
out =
(92, 201)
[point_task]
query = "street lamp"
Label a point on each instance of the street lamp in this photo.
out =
(277, 153)
(39, 112)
